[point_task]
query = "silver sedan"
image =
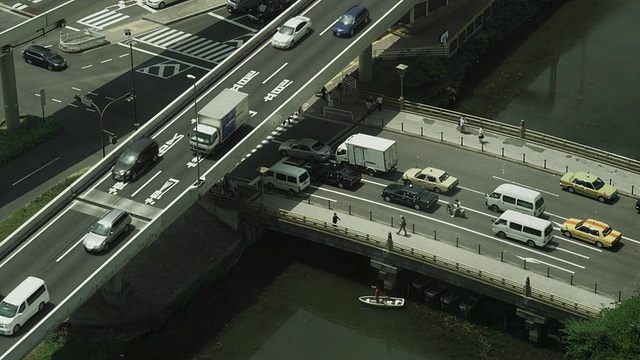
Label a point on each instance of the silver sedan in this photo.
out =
(305, 148)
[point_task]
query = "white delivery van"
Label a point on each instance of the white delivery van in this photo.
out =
(514, 197)
(287, 177)
(526, 228)
(21, 304)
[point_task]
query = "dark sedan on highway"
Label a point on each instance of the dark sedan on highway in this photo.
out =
(337, 175)
(410, 195)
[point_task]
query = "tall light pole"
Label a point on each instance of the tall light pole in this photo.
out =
(87, 102)
(127, 33)
(402, 68)
(195, 107)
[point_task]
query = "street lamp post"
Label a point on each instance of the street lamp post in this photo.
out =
(195, 107)
(127, 33)
(87, 102)
(402, 68)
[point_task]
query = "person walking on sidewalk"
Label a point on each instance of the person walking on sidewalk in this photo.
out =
(339, 92)
(480, 134)
(379, 102)
(403, 225)
(330, 99)
(462, 123)
(335, 219)
(323, 91)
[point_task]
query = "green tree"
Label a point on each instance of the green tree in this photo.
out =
(614, 335)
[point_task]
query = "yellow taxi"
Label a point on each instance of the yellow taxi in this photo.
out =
(589, 185)
(431, 178)
(591, 231)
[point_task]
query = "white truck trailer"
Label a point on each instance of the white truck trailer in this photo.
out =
(368, 153)
(218, 120)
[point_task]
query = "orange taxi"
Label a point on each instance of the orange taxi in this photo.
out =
(591, 231)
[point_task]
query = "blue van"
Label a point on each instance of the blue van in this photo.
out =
(357, 16)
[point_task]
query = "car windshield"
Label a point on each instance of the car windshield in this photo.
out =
(286, 30)
(8, 310)
(579, 224)
(318, 146)
(598, 183)
(346, 19)
(127, 158)
(606, 231)
(421, 193)
(444, 177)
(100, 229)
(343, 171)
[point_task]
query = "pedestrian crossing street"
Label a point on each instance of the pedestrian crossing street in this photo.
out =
(102, 19)
(188, 44)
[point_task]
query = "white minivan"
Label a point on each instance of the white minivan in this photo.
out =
(526, 228)
(21, 304)
(287, 177)
(514, 197)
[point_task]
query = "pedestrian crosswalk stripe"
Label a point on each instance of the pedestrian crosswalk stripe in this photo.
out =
(182, 45)
(222, 56)
(102, 19)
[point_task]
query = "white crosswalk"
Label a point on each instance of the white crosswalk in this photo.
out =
(187, 44)
(102, 19)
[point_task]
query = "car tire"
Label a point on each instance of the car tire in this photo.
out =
(284, 153)
(495, 208)
(406, 182)
(437, 190)
(312, 159)
(531, 243)
(16, 329)
(599, 244)
(351, 32)
(601, 199)
(270, 186)
(49, 67)
(341, 185)
(387, 199)
(371, 172)
(291, 192)
(29, 61)
(161, 5)
(571, 190)
(566, 233)
(41, 306)
(502, 235)
(416, 206)
(126, 228)
(106, 246)
(155, 157)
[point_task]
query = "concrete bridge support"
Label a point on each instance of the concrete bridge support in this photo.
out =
(534, 323)
(113, 291)
(9, 91)
(387, 273)
(365, 60)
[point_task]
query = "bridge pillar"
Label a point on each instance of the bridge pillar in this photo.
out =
(365, 61)
(534, 323)
(113, 292)
(387, 273)
(9, 90)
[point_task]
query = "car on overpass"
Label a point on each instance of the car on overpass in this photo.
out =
(291, 32)
(591, 231)
(410, 195)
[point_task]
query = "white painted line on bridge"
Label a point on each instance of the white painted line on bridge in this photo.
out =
(35, 171)
(145, 184)
(536, 261)
(274, 73)
(232, 21)
(69, 250)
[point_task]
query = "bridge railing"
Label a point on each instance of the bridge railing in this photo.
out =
(268, 213)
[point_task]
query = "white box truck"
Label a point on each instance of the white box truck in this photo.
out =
(219, 119)
(368, 153)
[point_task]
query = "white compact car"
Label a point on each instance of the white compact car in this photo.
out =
(291, 32)
(159, 4)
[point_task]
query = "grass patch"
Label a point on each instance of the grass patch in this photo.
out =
(33, 132)
(58, 346)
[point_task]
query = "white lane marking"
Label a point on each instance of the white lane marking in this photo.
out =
(274, 74)
(69, 250)
(86, 67)
(473, 191)
(536, 261)
(373, 182)
(145, 184)
(56, 100)
(232, 21)
(569, 251)
(408, 210)
(75, 88)
(36, 170)
(527, 186)
(105, 61)
(328, 27)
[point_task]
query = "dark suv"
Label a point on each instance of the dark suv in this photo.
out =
(338, 175)
(46, 58)
(135, 159)
(410, 195)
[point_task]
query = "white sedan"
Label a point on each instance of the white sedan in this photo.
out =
(291, 32)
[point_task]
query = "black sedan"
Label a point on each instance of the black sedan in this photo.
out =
(410, 195)
(338, 175)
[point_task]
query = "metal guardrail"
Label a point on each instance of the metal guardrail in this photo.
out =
(390, 54)
(512, 131)
(366, 239)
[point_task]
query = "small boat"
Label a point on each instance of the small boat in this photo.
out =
(469, 302)
(383, 301)
(434, 290)
(452, 296)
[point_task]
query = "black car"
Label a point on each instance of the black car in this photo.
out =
(135, 159)
(46, 58)
(410, 195)
(267, 12)
(638, 206)
(338, 175)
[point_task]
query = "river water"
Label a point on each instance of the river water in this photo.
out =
(575, 77)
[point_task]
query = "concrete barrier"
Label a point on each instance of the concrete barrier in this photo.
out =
(85, 40)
